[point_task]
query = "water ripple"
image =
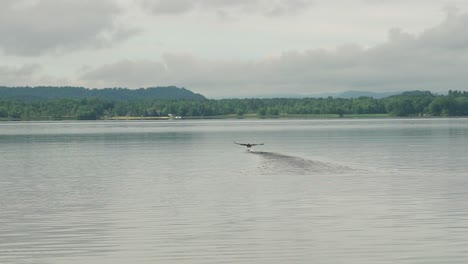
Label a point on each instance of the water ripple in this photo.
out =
(287, 163)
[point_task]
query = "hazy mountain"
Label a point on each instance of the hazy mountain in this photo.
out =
(357, 94)
(346, 94)
(118, 94)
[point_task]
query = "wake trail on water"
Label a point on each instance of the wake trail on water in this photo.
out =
(287, 163)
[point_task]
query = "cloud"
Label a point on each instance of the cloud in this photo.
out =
(288, 7)
(29, 75)
(169, 7)
(265, 7)
(34, 27)
(436, 60)
(17, 75)
(125, 73)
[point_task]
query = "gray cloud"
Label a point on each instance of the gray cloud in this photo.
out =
(33, 27)
(288, 7)
(18, 75)
(125, 73)
(169, 7)
(265, 7)
(436, 59)
(29, 75)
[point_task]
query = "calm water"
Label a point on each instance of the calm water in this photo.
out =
(320, 191)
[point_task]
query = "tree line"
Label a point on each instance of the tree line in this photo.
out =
(415, 103)
(114, 94)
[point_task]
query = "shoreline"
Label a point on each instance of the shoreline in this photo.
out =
(235, 117)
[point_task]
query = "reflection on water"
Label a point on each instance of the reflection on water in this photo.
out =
(282, 163)
(320, 191)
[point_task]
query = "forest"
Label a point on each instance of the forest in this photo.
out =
(114, 94)
(414, 103)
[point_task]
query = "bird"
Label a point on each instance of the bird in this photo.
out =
(248, 145)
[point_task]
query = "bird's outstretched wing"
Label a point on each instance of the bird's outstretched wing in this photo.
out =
(247, 145)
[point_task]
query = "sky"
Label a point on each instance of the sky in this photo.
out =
(243, 48)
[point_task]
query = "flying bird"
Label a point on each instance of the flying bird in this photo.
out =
(248, 145)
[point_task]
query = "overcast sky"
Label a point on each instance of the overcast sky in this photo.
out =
(236, 48)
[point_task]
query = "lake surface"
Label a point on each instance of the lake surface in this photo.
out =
(318, 191)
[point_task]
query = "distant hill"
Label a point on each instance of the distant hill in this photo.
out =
(357, 94)
(116, 94)
(415, 93)
(346, 95)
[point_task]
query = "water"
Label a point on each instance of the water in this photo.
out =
(318, 191)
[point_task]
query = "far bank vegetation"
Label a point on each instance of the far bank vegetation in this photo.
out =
(416, 103)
